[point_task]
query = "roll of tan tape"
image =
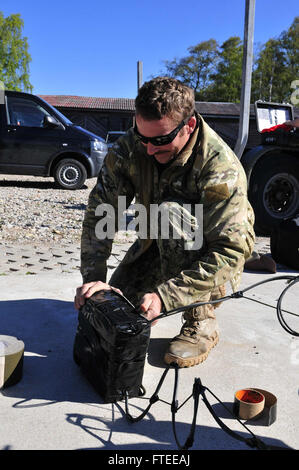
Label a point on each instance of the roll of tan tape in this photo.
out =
(11, 360)
(250, 403)
(253, 403)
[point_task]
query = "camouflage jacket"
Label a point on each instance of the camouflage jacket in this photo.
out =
(207, 172)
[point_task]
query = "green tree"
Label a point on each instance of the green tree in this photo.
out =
(195, 70)
(269, 74)
(215, 73)
(227, 81)
(14, 55)
(277, 66)
(290, 44)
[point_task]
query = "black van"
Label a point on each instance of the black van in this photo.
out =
(36, 139)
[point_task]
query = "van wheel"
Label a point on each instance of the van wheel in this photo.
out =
(70, 174)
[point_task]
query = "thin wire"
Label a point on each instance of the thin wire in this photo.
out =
(240, 294)
(272, 306)
(227, 409)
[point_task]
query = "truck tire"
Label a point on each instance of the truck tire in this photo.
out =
(70, 174)
(274, 191)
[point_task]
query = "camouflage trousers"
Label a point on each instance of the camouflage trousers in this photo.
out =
(163, 260)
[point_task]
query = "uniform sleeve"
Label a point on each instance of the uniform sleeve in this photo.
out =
(113, 181)
(227, 233)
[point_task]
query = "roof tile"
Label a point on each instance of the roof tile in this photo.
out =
(128, 104)
(68, 101)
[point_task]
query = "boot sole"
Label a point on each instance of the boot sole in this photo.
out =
(189, 361)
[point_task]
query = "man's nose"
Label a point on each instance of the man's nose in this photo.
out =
(151, 149)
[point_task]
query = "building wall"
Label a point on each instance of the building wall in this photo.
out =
(228, 129)
(99, 122)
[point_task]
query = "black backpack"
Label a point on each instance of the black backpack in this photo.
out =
(110, 346)
(284, 242)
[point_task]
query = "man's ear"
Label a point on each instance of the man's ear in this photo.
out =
(192, 124)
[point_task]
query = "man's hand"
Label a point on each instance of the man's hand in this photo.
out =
(87, 290)
(151, 305)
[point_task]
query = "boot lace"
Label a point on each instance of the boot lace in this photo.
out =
(191, 329)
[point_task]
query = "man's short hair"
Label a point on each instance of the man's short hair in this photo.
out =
(165, 96)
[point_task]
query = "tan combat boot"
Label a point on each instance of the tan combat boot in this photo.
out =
(198, 335)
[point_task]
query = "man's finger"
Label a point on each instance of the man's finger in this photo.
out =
(88, 289)
(79, 301)
(97, 287)
(116, 290)
(82, 289)
(145, 304)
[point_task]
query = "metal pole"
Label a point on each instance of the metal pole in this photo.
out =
(139, 74)
(246, 78)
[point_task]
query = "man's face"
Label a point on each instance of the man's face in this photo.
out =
(154, 128)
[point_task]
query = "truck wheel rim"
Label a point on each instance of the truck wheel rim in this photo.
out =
(280, 197)
(69, 175)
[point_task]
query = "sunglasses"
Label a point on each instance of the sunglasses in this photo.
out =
(161, 139)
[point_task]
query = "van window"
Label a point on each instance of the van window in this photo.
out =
(23, 112)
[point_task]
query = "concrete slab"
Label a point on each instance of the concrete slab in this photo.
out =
(35, 259)
(54, 407)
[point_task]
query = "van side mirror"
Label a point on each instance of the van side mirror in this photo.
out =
(51, 123)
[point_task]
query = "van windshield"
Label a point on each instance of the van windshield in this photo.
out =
(63, 117)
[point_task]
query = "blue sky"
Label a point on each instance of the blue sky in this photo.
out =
(91, 48)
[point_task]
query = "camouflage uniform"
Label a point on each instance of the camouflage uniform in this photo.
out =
(205, 172)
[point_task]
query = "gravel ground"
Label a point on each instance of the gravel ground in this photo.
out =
(34, 211)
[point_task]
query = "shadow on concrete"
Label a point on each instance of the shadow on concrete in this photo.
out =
(156, 351)
(47, 327)
(50, 376)
(161, 432)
